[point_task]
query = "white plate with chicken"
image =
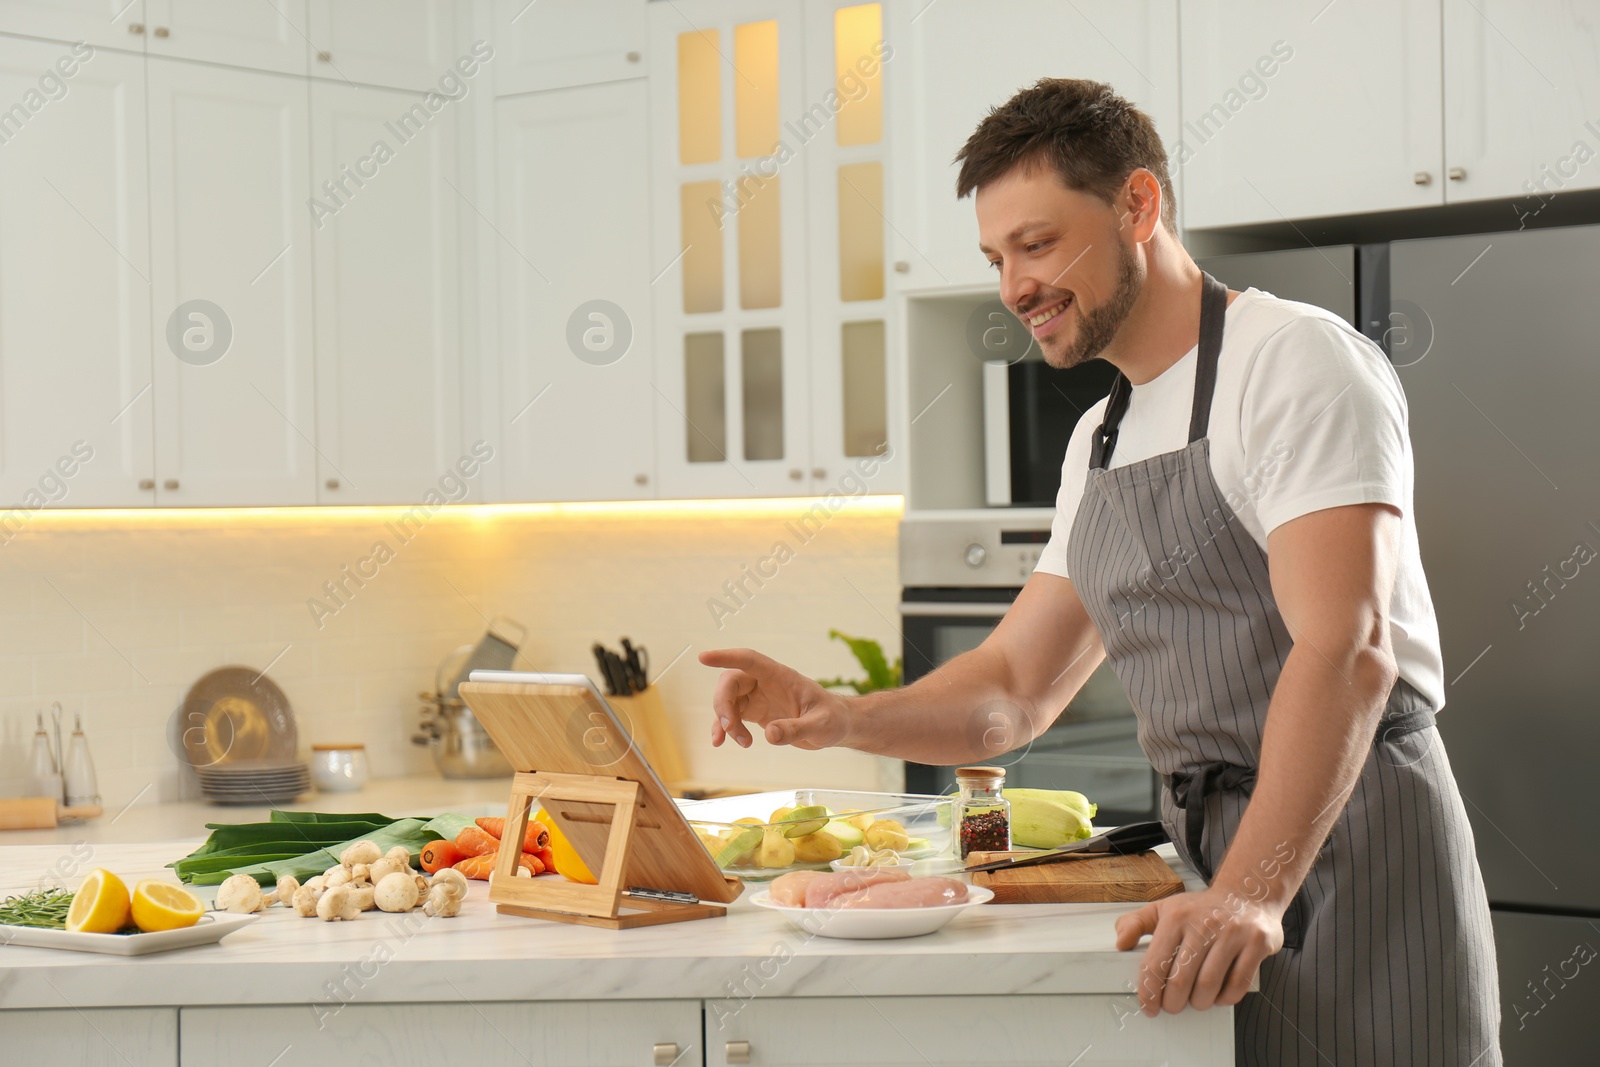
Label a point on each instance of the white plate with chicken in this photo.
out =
(869, 902)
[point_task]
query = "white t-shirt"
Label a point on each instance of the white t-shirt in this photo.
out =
(1308, 414)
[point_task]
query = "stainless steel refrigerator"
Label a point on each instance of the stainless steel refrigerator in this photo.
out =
(1496, 338)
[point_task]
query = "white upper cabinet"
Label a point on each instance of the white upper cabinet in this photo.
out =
(955, 59)
(560, 43)
(387, 295)
(576, 410)
(1302, 110)
(257, 34)
(75, 404)
(1522, 100)
(231, 253)
(104, 23)
(406, 44)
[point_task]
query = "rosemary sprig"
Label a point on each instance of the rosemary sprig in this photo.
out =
(44, 909)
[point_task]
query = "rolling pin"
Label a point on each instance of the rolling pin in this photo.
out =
(41, 813)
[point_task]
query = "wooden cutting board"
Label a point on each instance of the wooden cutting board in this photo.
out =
(1084, 880)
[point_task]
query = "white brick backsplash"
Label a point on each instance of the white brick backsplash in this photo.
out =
(181, 599)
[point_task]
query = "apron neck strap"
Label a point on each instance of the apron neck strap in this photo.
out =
(1213, 312)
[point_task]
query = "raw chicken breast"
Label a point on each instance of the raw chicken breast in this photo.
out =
(916, 893)
(789, 890)
(821, 891)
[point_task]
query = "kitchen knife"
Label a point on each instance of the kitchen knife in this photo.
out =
(612, 670)
(1128, 840)
(636, 658)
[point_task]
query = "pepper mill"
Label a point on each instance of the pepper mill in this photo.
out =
(77, 767)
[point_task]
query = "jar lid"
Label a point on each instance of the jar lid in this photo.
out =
(980, 772)
(337, 748)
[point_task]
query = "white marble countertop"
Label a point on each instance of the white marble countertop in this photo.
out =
(481, 955)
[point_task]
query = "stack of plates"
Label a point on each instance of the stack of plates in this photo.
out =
(254, 781)
(238, 732)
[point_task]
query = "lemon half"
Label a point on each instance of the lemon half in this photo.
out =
(163, 906)
(100, 906)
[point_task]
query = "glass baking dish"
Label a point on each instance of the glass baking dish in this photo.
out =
(925, 821)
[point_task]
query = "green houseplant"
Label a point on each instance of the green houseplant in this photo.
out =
(881, 674)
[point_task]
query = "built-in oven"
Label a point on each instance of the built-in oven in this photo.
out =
(960, 571)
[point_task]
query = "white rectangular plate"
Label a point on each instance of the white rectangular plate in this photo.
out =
(208, 931)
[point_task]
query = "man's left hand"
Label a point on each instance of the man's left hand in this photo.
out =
(1206, 948)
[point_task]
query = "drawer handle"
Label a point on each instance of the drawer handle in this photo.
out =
(162, 31)
(170, 484)
(332, 483)
(738, 1052)
(1422, 177)
(147, 483)
(136, 28)
(1457, 174)
(666, 1054)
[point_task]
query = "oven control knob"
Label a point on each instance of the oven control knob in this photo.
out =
(975, 555)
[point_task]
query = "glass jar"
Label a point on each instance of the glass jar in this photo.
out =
(982, 814)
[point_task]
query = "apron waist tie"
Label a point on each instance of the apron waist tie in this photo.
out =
(1190, 788)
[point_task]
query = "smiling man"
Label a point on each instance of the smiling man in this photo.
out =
(1234, 532)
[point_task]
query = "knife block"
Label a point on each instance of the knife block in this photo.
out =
(645, 717)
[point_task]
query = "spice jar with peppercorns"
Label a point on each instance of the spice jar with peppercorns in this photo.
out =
(983, 814)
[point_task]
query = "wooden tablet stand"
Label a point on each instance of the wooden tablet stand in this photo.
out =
(605, 798)
(572, 902)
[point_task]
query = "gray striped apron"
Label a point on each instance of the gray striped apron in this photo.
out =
(1388, 956)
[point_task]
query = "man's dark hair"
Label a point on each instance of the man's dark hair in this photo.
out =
(1089, 135)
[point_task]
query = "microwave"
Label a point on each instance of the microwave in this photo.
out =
(1029, 411)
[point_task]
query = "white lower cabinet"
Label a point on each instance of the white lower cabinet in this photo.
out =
(1018, 1030)
(618, 1033)
(91, 1037)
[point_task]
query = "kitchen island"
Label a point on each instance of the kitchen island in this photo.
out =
(1031, 984)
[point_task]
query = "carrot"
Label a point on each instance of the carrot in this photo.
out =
(437, 855)
(547, 858)
(475, 841)
(534, 838)
(480, 867)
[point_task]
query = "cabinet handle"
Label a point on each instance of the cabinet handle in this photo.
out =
(902, 267)
(818, 473)
(633, 57)
(1457, 174)
(162, 31)
(1422, 177)
(738, 1052)
(147, 483)
(332, 483)
(170, 483)
(641, 479)
(324, 57)
(136, 28)
(666, 1054)
(796, 474)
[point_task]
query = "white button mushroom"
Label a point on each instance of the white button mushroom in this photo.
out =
(441, 903)
(337, 877)
(360, 852)
(336, 905)
(377, 872)
(361, 897)
(240, 894)
(397, 892)
(283, 894)
(360, 872)
(305, 899)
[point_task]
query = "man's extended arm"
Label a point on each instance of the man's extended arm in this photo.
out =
(987, 701)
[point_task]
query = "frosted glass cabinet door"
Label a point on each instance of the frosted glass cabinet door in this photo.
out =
(239, 33)
(387, 295)
(75, 403)
(405, 44)
(1303, 110)
(577, 403)
(1521, 100)
(954, 60)
(231, 269)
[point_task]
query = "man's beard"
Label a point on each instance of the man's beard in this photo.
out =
(1098, 327)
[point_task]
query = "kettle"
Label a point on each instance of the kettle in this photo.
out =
(461, 747)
